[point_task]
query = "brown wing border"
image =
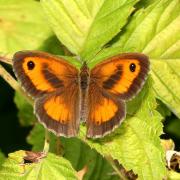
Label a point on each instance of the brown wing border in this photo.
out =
(55, 127)
(138, 82)
(99, 131)
(25, 81)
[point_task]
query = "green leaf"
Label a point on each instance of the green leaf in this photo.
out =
(78, 153)
(85, 26)
(172, 175)
(155, 32)
(22, 25)
(52, 45)
(166, 75)
(136, 144)
(151, 26)
(144, 3)
(37, 136)
(25, 110)
(50, 167)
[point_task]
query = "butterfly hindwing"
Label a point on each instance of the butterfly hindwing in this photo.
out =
(105, 112)
(122, 75)
(59, 112)
(41, 73)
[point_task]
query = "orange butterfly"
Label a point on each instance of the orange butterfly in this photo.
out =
(64, 96)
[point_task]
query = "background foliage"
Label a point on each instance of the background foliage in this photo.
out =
(93, 30)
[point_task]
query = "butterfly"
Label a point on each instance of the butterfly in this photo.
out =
(64, 96)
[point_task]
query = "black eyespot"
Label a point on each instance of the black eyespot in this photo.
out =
(30, 65)
(132, 67)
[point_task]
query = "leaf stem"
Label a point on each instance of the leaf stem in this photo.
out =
(120, 174)
(9, 79)
(46, 142)
(13, 83)
(6, 60)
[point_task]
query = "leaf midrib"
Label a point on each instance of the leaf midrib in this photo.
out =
(90, 28)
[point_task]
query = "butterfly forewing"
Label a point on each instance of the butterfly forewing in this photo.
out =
(41, 73)
(122, 75)
(105, 113)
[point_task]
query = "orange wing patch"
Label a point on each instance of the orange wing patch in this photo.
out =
(57, 110)
(42, 73)
(117, 76)
(122, 75)
(127, 77)
(35, 75)
(103, 111)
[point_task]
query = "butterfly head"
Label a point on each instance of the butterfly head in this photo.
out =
(84, 67)
(84, 76)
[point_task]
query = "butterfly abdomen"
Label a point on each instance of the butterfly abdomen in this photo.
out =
(84, 85)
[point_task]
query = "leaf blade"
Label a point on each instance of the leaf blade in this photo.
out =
(20, 28)
(153, 32)
(78, 23)
(52, 167)
(78, 153)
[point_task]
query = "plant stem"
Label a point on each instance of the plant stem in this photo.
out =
(9, 79)
(6, 60)
(59, 147)
(46, 142)
(13, 83)
(111, 161)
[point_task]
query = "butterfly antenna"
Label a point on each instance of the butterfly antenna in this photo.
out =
(102, 48)
(90, 60)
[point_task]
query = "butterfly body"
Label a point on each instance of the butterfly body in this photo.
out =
(84, 76)
(64, 95)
